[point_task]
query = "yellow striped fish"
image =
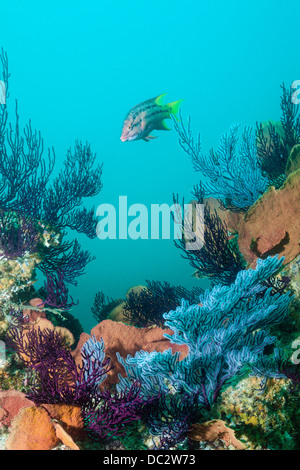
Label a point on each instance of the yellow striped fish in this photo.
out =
(143, 118)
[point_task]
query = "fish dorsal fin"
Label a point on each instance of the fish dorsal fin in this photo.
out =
(162, 126)
(159, 99)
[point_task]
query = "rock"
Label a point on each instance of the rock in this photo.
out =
(3, 415)
(64, 436)
(11, 401)
(214, 430)
(271, 225)
(32, 429)
(293, 162)
(117, 314)
(231, 219)
(43, 427)
(70, 417)
(126, 339)
(135, 290)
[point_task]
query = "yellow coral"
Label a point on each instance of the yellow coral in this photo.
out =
(264, 413)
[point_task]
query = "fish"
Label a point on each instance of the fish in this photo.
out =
(143, 118)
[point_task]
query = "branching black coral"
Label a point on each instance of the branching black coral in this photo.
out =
(27, 186)
(218, 256)
(276, 140)
(147, 307)
(77, 180)
(68, 258)
(102, 306)
(271, 149)
(18, 235)
(171, 418)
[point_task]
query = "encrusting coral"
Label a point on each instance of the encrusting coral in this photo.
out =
(20, 255)
(265, 419)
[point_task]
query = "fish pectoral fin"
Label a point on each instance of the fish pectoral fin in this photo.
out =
(162, 126)
(149, 137)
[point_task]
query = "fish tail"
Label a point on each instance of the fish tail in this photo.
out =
(174, 107)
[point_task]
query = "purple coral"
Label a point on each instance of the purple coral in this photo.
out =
(112, 411)
(18, 235)
(54, 376)
(57, 292)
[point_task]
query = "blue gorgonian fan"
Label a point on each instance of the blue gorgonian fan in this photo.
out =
(228, 330)
(232, 173)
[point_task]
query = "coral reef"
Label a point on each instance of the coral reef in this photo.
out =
(213, 431)
(275, 140)
(263, 420)
(234, 176)
(54, 376)
(228, 330)
(165, 367)
(167, 394)
(27, 187)
(218, 257)
(121, 339)
(276, 208)
(146, 307)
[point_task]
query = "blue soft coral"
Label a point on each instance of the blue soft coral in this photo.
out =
(232, 173)
(228, 330)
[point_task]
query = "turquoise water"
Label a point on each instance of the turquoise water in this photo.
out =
(78, 67)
